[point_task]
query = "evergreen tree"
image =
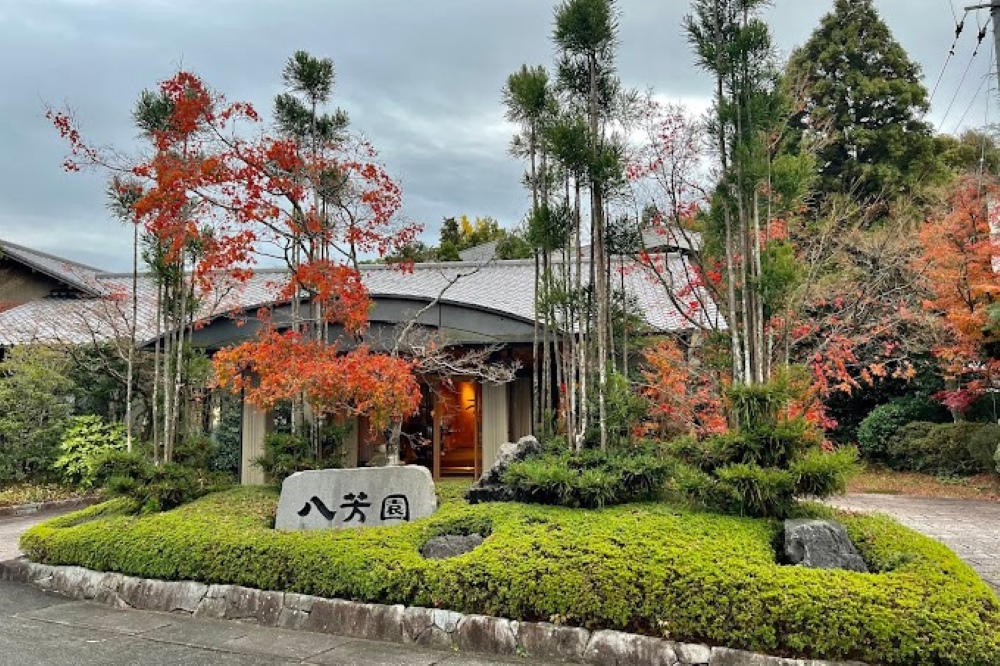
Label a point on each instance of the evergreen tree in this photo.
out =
(759, 182)
(863, 103)
(586, 33)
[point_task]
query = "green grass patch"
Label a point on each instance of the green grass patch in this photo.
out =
(649, 568)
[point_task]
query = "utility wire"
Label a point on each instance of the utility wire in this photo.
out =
(959, 26)
(981, 37)
(986, 124)
(985, 78)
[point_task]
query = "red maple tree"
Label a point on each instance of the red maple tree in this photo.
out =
(958, 266)
(205, 185)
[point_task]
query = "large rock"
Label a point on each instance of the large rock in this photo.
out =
(821, 544)
(490, 487)
(362, 497)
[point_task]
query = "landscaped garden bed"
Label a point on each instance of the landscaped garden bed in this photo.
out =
(649, 568)
(32, 493)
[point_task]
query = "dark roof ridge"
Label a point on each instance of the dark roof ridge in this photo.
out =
(5, 244)
(57, 268)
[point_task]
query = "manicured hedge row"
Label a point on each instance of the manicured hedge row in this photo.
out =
(655, 569)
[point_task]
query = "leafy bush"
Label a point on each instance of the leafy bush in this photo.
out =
(983, 445)
(195, 450)
(591, 478)
(624, 409)
(650, 568)
(821, 474)
(34, 409)
(882, 423)
(84, 441)
(759, 469)
(284, 454)
(945, 449)
(751, 490)
(227, 437)
(154, 487)
(901, 450)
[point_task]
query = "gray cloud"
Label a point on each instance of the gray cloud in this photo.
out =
(421, 79)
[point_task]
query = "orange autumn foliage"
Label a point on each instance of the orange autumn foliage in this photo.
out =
(206, 186)
(682, 400)
(283, 365)
(957, 265)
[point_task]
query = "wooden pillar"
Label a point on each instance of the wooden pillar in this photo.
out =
(494, 420)
(254, 428)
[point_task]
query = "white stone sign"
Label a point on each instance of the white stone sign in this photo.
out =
(362, 497)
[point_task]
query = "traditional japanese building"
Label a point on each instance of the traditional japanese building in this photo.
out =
(483, 304)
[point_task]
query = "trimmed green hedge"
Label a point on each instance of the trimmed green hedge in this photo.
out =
(650, 568)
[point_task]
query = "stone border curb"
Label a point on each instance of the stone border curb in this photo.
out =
(38, 507)
(427, 627)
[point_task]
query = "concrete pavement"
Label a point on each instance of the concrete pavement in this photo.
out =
(12, 527)
(971, 528)
(43, 629)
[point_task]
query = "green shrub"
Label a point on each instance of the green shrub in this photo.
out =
(195, 450)
(759, 469)
(750, 490)
(901, 449)
(878, 428)
(154, 487)
(944, 449)
(86, 439)
(227, 437)
(821, 474)
(284, 454)
(34, 409)
(983, 445)
(652, 568)
(590, 478)
(119, 464)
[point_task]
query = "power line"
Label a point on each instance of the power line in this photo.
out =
(959, 26)
(985, 78)
(980, 38)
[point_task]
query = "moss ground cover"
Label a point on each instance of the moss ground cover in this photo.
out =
(650, 568)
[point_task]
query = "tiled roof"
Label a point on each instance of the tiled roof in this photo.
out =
(505, 287)
(77, 275)
(670, 237)
(480, 253)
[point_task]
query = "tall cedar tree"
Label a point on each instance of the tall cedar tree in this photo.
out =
(864, 104)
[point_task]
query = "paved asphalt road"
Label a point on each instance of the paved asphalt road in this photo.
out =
(37, 628)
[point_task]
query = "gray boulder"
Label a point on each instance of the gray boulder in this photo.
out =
(449, 545)
(490, 487)
(821, 544)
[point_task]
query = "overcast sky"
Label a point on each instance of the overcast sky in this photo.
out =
(420, 79)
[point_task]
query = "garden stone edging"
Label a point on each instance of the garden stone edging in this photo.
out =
(427, 627)
(51, 505)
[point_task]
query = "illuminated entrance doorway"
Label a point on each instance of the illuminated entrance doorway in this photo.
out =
(444, 435)
(457, 448)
